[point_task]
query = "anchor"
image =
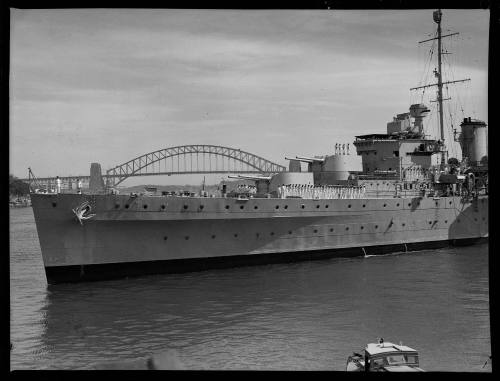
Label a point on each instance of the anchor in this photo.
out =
(82, 212)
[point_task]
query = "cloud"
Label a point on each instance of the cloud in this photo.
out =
(108, 85)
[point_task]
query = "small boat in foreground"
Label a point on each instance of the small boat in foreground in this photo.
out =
(384, 357)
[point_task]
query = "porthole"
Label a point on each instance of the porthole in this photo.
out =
(227, 207)
(349, 205)
(54, 204)
(317, 206)
(484, 218)
(475, 219)
(235, 235)
(163, 206)
(185, 206)
(145, 206)
(403, 224)
(315, 230)
(165, 238)
(397, 204)
(272, 233)
(201, 207)
(302, 206)
(376, 226)
(256, 207)
(242, 206)
(289, 232)
(126, 206)
(445, 221)
(186, 237)
(277, 207)
(362, 227)
(347, 228)
(286, 206)
(364, 205)
(331, 230)
(409, 204)
(430, 222)
(213, 236)
(257, 235)
(326, 206)
(385, 205)
(117, 206)
(450, 202)
(458, 220)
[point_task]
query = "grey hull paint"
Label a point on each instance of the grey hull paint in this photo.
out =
(182, 231)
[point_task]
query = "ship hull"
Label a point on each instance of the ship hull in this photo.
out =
(131, 236)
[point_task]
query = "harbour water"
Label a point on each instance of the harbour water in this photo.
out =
(300, 316)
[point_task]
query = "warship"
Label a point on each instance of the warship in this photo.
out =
(407, 196)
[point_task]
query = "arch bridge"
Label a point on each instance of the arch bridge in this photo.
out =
(192, 159)
(187, 159)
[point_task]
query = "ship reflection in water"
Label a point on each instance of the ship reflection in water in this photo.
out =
(299, 316)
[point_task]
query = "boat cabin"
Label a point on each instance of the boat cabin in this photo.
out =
(385, 357)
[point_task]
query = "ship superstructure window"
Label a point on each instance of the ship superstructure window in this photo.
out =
(54, 204)
(213, 236)
(163, 207)
(185, 206)
(256, 207)
(331, 230)
(126, 206)
(302, 206)
(227, 206)
(286, 206)
(277, 207)
(242, 206)
(396, 153)
(202, 206)
(317, 206)
(145, 206)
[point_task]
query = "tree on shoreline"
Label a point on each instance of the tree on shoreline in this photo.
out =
(17, 187)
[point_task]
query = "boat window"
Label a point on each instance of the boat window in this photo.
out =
(396, 153)
(411, 359)
(395, 359)
(379, 362)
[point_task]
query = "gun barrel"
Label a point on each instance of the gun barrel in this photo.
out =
(309, 159)
(249, 177)
(297, 159)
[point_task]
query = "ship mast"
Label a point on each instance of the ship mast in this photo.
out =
(437, 15)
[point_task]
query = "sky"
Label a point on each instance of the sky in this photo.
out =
(108, 85)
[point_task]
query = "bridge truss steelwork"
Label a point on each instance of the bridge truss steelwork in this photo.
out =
(192, 159)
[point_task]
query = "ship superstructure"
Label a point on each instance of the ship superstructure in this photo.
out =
(405, 196)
